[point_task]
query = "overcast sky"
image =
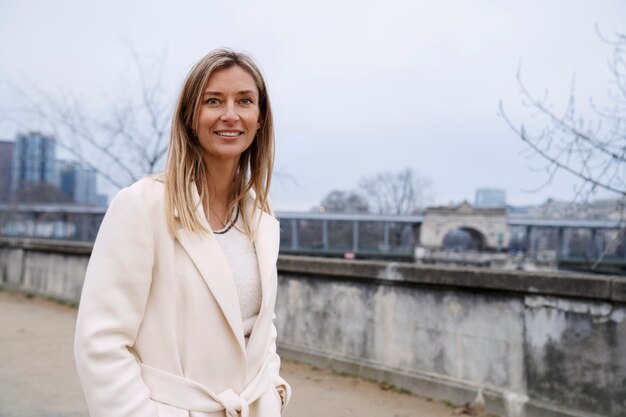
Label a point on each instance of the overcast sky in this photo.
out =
(357, 87)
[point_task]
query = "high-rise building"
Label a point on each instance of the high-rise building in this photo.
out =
(33, 160)
(78, 182)
(102, 200)
(490, 197)
(6, 159)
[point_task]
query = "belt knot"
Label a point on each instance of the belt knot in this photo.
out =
(234, 405)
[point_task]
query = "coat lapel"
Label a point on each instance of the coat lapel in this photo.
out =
(206, 253)
(208, 257)
(266, 243)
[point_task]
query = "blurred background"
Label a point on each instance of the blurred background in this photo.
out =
(357, 87)
(380, 109)
(485, 135)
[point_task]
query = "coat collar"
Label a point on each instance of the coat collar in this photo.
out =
(206, 253)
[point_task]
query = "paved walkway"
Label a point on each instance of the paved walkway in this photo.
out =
(37, 376)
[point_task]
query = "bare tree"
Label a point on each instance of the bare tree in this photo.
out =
(592, 150)
(127, 140)
(400, 193)
(344, 202)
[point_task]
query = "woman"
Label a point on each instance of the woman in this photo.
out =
(176, 314)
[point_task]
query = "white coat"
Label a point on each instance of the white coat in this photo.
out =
(159, 330)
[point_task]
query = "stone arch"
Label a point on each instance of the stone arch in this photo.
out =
(478, 237)
(487, 225)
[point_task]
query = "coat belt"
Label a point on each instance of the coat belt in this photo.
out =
(190, 395)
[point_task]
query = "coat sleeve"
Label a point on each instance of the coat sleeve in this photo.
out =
(112, 305)
(283, 388)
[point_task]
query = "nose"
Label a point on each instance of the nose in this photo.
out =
(230, 113)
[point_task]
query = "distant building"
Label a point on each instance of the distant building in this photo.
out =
(78, 182)
(601, 209)
(607, 209)
(490, 197)
(33, 160)
(6, 159)
(102, 200)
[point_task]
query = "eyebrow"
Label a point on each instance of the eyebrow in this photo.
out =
(217, 93)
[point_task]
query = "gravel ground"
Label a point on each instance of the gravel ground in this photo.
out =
(37, 376)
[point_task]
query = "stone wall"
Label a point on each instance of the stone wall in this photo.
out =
(47, 268)
(546, 344)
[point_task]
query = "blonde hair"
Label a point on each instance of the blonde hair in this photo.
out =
(185, 164)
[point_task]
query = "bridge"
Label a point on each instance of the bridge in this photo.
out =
(364, 236)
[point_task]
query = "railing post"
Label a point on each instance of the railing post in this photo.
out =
(355, 236)
(527, 239)
(596, 243)
(386, 236)
(563, 242)
(325, 234)
(294, 234)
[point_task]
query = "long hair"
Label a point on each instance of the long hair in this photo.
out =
(185, 163)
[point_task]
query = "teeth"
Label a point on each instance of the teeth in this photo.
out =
(231, 134)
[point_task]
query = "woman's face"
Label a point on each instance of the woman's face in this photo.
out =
(229, 115)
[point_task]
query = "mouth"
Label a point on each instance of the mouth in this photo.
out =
(228, 133)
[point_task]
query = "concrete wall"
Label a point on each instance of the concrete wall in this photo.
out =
(54, 269)
(547, 344)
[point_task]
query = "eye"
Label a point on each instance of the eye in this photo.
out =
(246, 101)
(212, 101)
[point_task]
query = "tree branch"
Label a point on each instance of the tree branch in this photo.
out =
(585, 177)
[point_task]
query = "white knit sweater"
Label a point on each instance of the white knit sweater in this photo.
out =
(241, 256)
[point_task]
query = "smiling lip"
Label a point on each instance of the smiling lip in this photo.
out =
(228, 133)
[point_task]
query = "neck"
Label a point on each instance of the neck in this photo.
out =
(221, 176)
